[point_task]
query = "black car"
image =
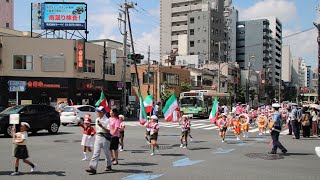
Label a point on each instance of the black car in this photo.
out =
(2, 108)
(38, 116)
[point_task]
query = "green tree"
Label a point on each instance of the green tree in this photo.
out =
(185, 86)
(165, 93)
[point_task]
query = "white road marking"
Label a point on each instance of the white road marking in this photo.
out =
(203, 126)
(254, 130)
(210, 128)
(317, 149)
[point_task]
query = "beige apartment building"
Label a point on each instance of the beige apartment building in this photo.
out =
(6, 13)
(60, 70)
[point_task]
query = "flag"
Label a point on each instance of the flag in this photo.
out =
(142, 114)
(176, 115)
(71, 102)
(170, 107)
(214, 111)
(103, 102)
(148, 103)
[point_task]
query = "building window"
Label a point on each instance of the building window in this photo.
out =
(192, 53)
(145, 77)
(172, 79)
(7, 25)
(192, 20)
(191, 31)
(89, 66)
(191, 43)
(217, 32)
(110, 69)
(23, 62)
(7, 1)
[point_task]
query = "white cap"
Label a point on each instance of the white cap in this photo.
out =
(224, 114)
(25, 124)
(121, 116)
(276, 105)
(154, 117)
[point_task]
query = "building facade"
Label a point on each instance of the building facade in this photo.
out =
(286, 64)
(162, 78)
(58, 69)
(6, 14)
(192, 28)
(231, 18)
(254, 50)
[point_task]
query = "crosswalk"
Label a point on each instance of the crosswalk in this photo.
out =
(203, 124)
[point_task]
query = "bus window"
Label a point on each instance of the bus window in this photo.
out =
(191, 101)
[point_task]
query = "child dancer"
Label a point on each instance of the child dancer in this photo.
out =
(147, 135)
(184, 123)
(189, 128)
(21, 151)
(223, 126)
(154, 129)
(237, 127)
(87, 137)
(262, 122)
(122, 127)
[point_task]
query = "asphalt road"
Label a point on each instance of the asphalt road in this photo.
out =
(59, 157)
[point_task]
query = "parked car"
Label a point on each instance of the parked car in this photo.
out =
(2, 108)
(74, 114)
(40, 117)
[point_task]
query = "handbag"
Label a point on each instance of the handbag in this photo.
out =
(305, 121)
(108, 136)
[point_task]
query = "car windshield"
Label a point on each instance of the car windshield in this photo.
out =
(68, 109)
(191, 101)
(12, 110)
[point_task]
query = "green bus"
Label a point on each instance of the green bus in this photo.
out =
(198, 103)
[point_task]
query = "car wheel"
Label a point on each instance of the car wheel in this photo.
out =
(53, 128)
(8, 131)
(64, 124)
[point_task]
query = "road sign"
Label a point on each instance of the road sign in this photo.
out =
(17, 88)
(119, 84)
(17, 83)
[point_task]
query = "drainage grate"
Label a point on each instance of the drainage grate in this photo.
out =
(160, 147)
(264, 156)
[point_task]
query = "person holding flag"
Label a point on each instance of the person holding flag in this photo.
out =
(222, 124)
(185, 125)
(154, 129)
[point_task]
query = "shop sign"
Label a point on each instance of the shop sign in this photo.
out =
(80, 54)
(40, 84)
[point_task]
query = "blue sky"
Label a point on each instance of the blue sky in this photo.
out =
(295, 15)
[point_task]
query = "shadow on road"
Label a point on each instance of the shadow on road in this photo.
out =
(138, 164)
(298, 154)
(172, 155)
(198, 141)
(198, 148)
(129, 171)
(57, 173)
(170, 135)
(137, 151)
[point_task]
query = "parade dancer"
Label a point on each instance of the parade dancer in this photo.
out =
(244, 120)
(87, 137)
(154, 129)
(275, 128)
(115, 132)
(147, 134)
(21, 150)
(122, 127)
(237, 127)
(262, 124)
(184, 123)
(189, 128)
(222, 124)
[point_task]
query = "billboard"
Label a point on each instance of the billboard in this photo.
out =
(59, 16)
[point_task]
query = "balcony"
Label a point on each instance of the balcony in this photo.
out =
(186, 8)
(180, 28)
(179, 19)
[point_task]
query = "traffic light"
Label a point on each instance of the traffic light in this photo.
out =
(136, 57)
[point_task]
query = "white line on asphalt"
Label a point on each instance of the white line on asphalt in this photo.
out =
(285, 132)
(200, 121)
(194, 125)
(317, 149)
(209, 128)
(254, 130)
(210, 125)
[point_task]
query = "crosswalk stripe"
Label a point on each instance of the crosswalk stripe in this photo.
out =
(210, 128)
(254, 130)
(168, 125)
(199, 120)
(285, 132)
(210, 125)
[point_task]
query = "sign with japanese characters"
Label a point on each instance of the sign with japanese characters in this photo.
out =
(65, 16)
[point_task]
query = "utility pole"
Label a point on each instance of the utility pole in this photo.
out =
(104, 65)
(219, 61)
(148, 74)
(248, 79)
(318, 40)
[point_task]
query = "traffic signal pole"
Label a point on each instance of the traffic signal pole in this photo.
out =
(318, 40)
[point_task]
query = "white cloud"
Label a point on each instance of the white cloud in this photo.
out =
(151, 38)
(303, 45)
(285, 10)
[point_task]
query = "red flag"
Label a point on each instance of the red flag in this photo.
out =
(103, 102)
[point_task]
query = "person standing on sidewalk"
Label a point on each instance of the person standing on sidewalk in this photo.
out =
(115, 132)
(102, 141)
(122, 127)
(295, 121)
(275, 127)
(314, 115)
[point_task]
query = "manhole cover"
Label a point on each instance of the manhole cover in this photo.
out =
(264, 156)
(67, 141)
(160, 147)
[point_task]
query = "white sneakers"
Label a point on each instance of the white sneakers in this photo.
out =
(152, 154)
(181, 145)
(184, 147)
(191, 139)
(121, 150)
(15, 173)
(222, 141)
(85, 159)
(34, 168)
